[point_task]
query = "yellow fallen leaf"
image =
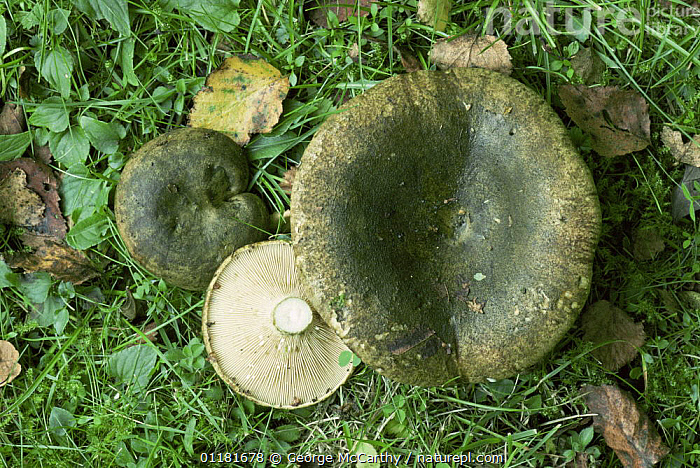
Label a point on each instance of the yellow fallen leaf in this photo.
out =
(243, 96)
(54, 256)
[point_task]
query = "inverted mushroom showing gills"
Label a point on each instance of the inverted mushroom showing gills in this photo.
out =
(181, 205)
(262, 336)
(446, 226)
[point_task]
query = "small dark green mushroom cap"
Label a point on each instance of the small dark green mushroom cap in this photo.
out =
(446, 226)
(181, 205)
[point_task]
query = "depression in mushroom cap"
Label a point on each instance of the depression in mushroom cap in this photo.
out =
(181, 205)
(455, 218)
(262, 336)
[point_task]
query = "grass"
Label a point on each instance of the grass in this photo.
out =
(139, 75)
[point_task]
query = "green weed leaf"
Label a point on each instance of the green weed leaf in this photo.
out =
(213, 15)
(122, 456)
(127, 61)
(36, 286)
(51, 312)
(59, 420)
(88, 231)
(116, 12)
(270, 147)
(58, 20)
(688, 196)
(344, 358)
(370, 453)
(132, 366)
(103, 136)
(586, 436)
(70, 147)
(14, 146)
(56, 67)
(52, 114)
(31, 19)
(3, 34)
(188, 438)
(288, 433)
(7, 278)
(81, 192)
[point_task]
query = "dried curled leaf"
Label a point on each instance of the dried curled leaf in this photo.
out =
(588, 66)
(602, 322)
(434, 13)
(648, 243)
(688, 153)
(243, 96)
(616, 119)
(487, 52)
(342, 9)
(409, 62)
(39, 182)
(626, 429)
(9, 363)
(680, 204)
(19, 205)
(12, 119)
(288, 181)
(54, 256)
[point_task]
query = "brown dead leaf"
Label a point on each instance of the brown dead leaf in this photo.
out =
(243, 96)
(9, 363)
(354, 52)
(680, 204)
(11, 119)
(128, 308)
(648, 243)
(53, 256)
(40, 182)
(616, 119)
(343, 9)
(43, 154)
(687, 153)
(151, 334)
(626, 429)
(588, 66)
(409, 62)
(472, 51)
(602, 322)
(19, 205)
(434, 13)
(581, 461)
(289, 175)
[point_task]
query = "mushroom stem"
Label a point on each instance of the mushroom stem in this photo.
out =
(292, 315)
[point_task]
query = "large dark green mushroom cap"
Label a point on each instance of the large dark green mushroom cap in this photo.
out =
(446, 226)
(181, 207)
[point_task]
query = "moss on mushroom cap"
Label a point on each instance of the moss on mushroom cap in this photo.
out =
(446, 226)
(180, 205)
